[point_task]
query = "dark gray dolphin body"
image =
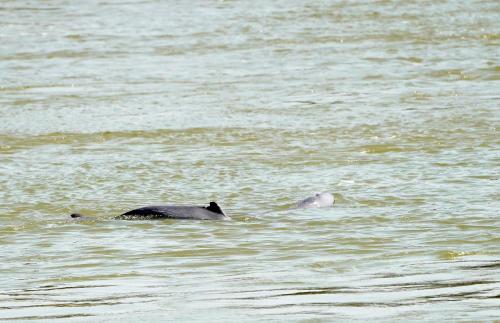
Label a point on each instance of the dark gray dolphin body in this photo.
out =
(210, 212)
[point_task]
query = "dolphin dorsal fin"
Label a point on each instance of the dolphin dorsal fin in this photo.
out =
(214, 207)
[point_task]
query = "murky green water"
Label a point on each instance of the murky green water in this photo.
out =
(392, 105)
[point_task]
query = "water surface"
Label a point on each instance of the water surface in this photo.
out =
(108, 105)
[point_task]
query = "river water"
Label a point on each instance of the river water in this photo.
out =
(110, 105)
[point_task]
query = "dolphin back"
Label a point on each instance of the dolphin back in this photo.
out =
(324, 199)
(211, 212)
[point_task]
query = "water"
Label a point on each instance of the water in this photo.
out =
(393, 106)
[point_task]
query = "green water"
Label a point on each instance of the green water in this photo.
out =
(391, 105)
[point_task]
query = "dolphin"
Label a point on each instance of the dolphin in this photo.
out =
(319, 200)
(210, 212)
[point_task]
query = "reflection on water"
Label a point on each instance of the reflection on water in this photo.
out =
(108, 106)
